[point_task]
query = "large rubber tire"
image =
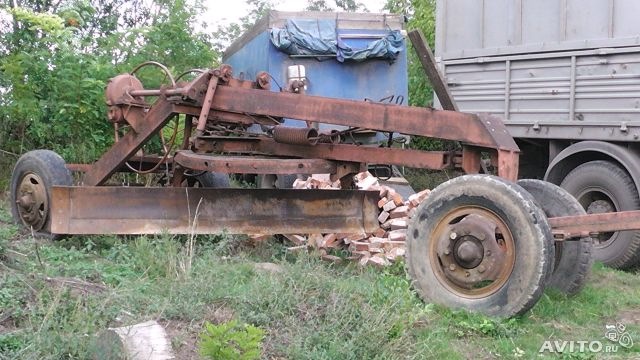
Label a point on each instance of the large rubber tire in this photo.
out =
(214, 180)
(574, 258)
(602, 186)
(532, 250)
(44, 168)
(273, 181)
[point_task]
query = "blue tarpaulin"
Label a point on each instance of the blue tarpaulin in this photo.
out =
(320, 38)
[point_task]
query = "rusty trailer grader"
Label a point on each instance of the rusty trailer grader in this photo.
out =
(480, 242)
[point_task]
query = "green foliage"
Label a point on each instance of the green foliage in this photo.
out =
(231, 341)
(309, 310)
(56, 62)
(421, 15)
(48, 23)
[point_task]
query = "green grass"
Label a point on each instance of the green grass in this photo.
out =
(55, 298)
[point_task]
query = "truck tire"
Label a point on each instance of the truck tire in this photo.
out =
(207, 179)
(33, 176)
(480, 243)
(602, 186)
(574, 258)
(214, 180)
(273, 181)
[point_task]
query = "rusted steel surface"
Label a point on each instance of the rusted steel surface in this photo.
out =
(449, 125)
(508, 164)
(257, 165)
(206, 105)
(471, 160)
(221, 101)
(139, 210)
(117, 155)
(224, 116)
(582, 225)
(435, 160)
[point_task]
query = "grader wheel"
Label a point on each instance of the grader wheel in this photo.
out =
(573, 258)
(33, 176)
(480, 243)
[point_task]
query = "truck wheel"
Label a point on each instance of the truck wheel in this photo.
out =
(573, 259)
(33, 176)
(207, 179)
(480, 243)
(214, 180)
(602, 186)
(273, 181)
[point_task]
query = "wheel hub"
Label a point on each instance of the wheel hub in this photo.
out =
(31, 199)
(469, 252)
(474, 257)
(599, 207)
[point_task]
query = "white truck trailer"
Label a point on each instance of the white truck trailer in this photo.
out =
(565, 76)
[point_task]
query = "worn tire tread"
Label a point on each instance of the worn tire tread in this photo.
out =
(51, 167)
(631, 256)
(576, 256)
(485, 186)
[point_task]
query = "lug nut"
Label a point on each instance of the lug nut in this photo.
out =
(482, 236)
(481, 269)
(488, 252)
(453, 236)
(452, 267)
(447, 251)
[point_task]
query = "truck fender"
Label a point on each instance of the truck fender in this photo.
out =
(584, 151)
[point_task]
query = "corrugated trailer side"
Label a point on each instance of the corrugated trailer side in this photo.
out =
(565, 77)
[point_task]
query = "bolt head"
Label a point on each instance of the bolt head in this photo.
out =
(447, 251)
(488, 252)
(453, 236)
(467, 274)
(481, 269)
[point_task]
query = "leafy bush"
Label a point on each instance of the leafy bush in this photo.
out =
(231, 341)
(55, 67)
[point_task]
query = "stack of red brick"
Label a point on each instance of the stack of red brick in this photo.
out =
(379, 247)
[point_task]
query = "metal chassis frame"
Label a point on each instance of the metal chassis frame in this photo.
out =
(215, 97)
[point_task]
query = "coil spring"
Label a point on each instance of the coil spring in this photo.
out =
(295, 136)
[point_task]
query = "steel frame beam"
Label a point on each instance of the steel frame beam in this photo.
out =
(256, 165)
(435, 160)
(140, 210)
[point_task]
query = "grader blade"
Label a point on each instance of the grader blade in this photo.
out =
(139, 210)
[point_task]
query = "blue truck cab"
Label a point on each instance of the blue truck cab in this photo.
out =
(357, 56)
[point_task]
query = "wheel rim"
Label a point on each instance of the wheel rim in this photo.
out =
(31, 198)
(472, 252)
(596, 201)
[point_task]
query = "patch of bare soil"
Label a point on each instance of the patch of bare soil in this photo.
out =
(629, 317)
(184, 338)
(184, 334)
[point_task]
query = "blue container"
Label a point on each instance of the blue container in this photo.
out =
(371, 79)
